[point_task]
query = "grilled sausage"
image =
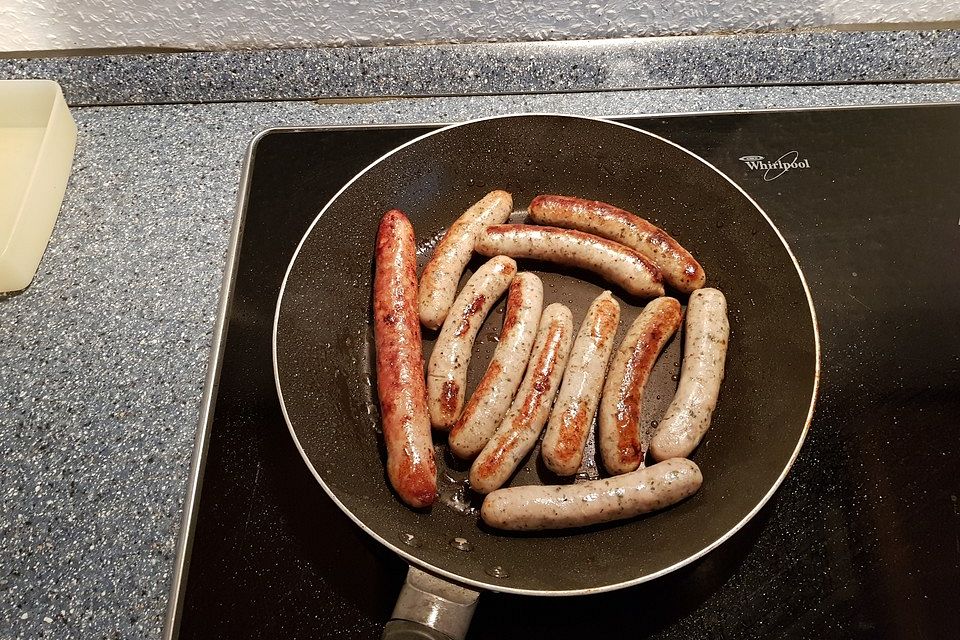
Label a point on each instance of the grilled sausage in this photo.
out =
(680, 270)
(576, 405)
(411, 467)
(620, 444)
(535, 507)
(614, 262)
(524, 421)
(705, 350)
(447, 370)
(438, 285)
(492, 397)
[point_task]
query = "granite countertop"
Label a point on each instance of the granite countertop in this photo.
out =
(103, 358)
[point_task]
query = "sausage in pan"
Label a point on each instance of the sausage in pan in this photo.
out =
(614, 262)
(680, 270)
(438, 285)
(447, 370)
(530, 409)
(576, 405)
(492, 397)
(705, 350)
(533, 508)
(411, 467)
(619, 438)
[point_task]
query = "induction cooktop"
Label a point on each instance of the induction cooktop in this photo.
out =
(861, 541)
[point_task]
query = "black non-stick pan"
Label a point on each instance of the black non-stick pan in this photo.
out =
(324, 359)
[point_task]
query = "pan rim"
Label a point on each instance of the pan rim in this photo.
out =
(499, 588)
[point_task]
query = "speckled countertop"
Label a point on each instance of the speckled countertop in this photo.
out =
(102, 359)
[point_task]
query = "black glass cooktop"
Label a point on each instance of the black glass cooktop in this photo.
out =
(861, 541)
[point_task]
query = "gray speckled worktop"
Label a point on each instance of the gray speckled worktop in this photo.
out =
(102, 359)
(804, 57)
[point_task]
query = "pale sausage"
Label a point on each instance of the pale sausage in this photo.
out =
(438, 285)
(447, 369)
(537, 507)
(704, 353)
(612, 261)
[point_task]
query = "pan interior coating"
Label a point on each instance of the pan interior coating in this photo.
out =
(324, 346)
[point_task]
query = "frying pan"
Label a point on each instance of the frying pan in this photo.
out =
(324, 359)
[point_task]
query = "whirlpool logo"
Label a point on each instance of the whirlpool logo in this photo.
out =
(773, 169)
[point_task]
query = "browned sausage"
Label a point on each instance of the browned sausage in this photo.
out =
(576, 405)
(679, 268)
(493, 395)
(619, 418)
(400, 385)
(612, 261)
(523, 423)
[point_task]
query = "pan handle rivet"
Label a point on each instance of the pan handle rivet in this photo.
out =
(410, 540)
(498, 572)
(461, 544)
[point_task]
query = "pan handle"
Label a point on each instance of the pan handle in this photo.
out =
(430, 608)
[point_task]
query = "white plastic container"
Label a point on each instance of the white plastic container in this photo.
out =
(37, 140)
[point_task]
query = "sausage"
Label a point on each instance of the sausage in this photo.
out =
(680, 270)
(620, 443)
(447, 370)
(411, 467)
(536, 507)
(704, 352)
(438, 284)
(492, 397)
(524, 421)
(576, 405)
(614, 262)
